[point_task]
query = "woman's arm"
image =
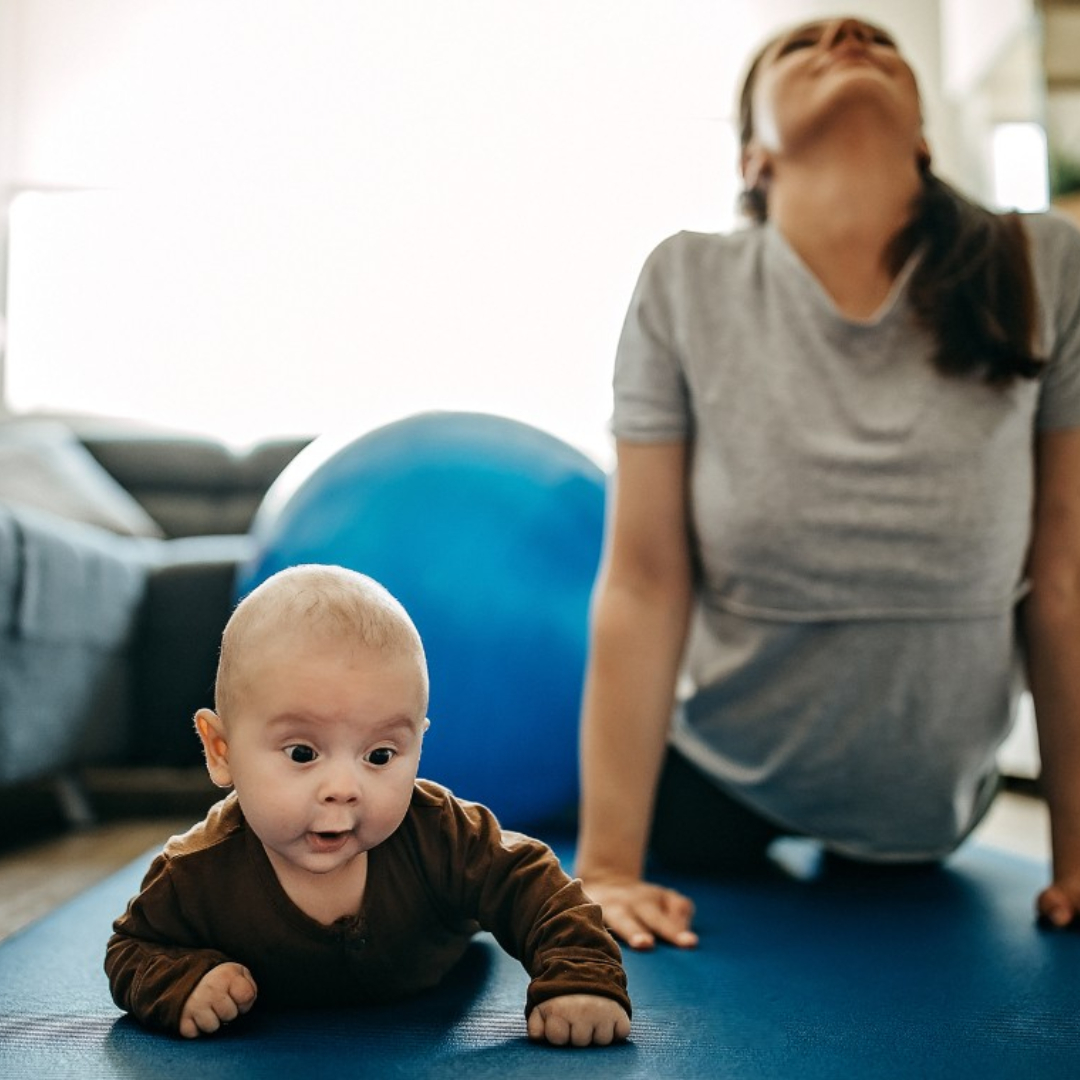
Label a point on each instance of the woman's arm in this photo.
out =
(1052, 626)
(639, 621)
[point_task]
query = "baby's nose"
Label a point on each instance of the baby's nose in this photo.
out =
(340, 785)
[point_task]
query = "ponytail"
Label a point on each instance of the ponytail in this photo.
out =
(973, 287)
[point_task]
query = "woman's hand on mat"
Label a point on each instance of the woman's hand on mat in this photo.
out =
(640, 912)
(1059, 904)
(221, 995)
(579, 1020)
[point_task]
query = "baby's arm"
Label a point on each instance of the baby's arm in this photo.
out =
(579, 1020)
(154, 960)
(154, 982)
(222, 994)
(513, 886)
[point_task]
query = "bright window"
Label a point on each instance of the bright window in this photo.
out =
(302, 223)
(1021, 176)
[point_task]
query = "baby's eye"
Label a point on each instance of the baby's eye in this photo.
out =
(302, 755)
(382, 756)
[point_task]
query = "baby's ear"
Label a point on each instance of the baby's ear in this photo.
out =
(215, 746)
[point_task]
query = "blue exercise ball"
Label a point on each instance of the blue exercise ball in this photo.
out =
(489, 531)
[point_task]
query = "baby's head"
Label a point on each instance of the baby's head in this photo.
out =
(321, 704)
(325, 604)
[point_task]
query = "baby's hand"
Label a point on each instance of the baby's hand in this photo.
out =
(221, 995)
(580, 1020)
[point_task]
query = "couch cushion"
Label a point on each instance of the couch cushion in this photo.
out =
(189, 597)
(43, 465)
(193, 485)
(70, 594)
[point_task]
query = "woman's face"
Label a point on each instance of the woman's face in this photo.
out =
(806, 79)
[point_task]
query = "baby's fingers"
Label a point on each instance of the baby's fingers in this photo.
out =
(188, 1028)
(552, 1029)
(242, 990)
(202, 1019)
(579, 1020)
(560, 1031)
(605, 1032)
(223, 994)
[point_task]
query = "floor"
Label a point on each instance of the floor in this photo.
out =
(38, 875)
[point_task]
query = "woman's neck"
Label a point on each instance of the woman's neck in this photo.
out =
(840, 213)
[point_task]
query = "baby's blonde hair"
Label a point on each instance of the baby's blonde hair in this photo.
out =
(330, 600)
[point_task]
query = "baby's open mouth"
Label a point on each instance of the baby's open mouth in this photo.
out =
(328, 841)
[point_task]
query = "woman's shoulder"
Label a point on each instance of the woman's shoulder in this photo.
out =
(688, 260)
(1054, 236)
(709, 246)
(1054, 244)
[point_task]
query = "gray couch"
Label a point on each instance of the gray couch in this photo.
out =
(118, 555)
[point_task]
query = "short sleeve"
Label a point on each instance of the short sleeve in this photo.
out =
(650, 395)
(1056, 263)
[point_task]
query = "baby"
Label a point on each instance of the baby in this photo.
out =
(330, 874)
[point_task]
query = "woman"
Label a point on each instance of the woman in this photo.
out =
(848, 448)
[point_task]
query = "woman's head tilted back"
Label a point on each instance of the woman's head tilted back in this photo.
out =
(328, 603)
(811, 72)
(972, 288)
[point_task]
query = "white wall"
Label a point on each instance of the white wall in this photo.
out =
(975, 33)
(334, 213)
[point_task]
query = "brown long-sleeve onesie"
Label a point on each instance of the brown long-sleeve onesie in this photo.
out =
(448, 872)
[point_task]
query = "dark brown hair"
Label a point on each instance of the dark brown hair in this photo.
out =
(973, 287)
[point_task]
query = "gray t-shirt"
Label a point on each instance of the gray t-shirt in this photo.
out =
(860, 526)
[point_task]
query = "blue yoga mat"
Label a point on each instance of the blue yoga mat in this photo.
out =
(811, 971)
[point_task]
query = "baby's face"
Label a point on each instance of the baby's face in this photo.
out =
(323, 748)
